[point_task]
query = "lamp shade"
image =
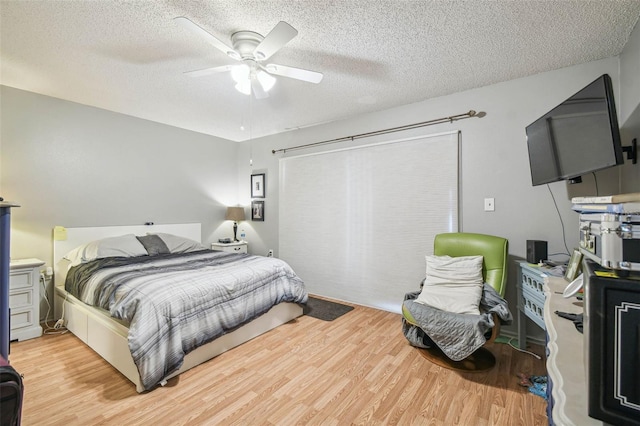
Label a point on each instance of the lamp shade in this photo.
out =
(235, 213)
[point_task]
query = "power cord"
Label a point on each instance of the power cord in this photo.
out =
(564, 237)
(58, 327)
(523, 350)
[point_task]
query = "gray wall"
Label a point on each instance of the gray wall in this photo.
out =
(494, 157)
(73, 165)
(495, 160)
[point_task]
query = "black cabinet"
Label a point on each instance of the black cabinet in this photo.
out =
(612, 350)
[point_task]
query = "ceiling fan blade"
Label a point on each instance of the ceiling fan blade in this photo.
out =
(280, 35)
(209, 71)
(258, 90)
(201, 32)
(297, 73)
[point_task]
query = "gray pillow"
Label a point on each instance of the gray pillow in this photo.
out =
(153, 244)
(178, 244)
(121, 246)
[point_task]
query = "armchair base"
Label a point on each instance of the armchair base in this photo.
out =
(481, 360)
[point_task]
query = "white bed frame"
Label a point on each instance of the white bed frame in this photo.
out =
(108, 336)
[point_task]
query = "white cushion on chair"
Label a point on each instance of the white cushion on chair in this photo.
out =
(453, 284)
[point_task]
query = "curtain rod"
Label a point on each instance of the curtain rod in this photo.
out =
(449, 119)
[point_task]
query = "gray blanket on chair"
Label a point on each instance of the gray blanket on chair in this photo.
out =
(457, 335)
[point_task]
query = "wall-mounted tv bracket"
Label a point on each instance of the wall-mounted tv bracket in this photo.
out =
(632, 151)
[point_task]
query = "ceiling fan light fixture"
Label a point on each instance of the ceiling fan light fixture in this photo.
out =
(266, 80)
(244, 87)
(251, 49)
(240, 73)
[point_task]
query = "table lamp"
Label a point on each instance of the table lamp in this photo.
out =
(235, 214)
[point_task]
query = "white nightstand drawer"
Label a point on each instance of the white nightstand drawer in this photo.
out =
(20, 279)
(24, 298)
(20, 320)
(20, 299)
(237, 247)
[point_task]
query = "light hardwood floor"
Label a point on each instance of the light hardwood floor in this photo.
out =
(358, 369)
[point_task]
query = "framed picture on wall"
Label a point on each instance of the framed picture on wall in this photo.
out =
(257, 211)
(257, 186)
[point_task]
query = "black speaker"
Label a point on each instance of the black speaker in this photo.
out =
(536, 251)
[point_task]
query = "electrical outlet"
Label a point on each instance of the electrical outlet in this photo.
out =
(270, 254)
(489, 204)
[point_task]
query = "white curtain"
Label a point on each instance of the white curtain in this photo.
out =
(356, 223)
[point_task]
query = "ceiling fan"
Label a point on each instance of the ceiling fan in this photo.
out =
(252, 49)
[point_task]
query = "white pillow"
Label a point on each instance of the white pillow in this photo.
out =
(177, 244)
(122, 246)
(453, 284)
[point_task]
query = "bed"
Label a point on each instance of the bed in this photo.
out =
(115, 338)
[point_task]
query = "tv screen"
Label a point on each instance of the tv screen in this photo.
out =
(577, 137)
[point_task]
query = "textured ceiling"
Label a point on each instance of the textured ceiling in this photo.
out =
(129, 56)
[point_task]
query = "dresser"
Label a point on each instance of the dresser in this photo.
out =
(24, 298)
(235, 247)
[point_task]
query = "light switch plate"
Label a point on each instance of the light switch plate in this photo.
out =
(489, 204)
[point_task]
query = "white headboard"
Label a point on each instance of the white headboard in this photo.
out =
(79, 236)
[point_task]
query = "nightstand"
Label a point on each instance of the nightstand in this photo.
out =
(236, 247)
(24, 298)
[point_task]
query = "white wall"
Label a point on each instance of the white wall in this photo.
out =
(495, 160)
(629, 72)
(73, 165)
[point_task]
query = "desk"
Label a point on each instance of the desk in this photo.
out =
(565, 358)
(531, 298)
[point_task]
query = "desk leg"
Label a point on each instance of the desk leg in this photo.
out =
(522, 329)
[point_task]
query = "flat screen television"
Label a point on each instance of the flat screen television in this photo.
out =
(577, 137)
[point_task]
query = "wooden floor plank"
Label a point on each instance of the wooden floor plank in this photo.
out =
(358, 369)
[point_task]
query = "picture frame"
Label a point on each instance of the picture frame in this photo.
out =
(257, 211)
(257, 186)
(574, 267)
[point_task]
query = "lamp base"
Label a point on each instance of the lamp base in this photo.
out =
(235, 231)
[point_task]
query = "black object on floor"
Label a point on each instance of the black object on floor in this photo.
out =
(11, 393)
(324, 309)
(576, 318)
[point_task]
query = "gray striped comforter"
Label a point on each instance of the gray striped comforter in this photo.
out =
(175, 303)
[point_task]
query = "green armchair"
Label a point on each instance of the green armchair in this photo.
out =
(494, 249)
(494, 271)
